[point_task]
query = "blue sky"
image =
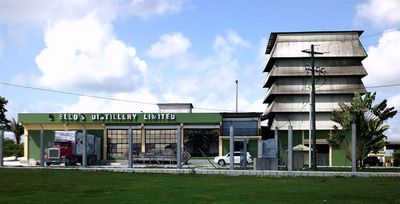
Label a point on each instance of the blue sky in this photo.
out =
(172, 50)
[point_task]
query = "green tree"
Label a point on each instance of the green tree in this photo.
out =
(12, 149)
(370, 122)
(17, 129)
(3, 110)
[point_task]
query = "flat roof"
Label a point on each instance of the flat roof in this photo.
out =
(175, 104)
(273, 36)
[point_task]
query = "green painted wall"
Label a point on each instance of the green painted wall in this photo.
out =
(283, 141)
(252, 147)
(339, 158)
(339, 154)
(297, 139)
(116, 118)
(34, 141)
(225, 147)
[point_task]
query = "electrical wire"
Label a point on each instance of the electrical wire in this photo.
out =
(203, 108)
(100, 97)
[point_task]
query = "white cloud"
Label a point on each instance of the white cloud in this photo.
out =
(394, 130)
(206, 82)
(38, 12)
(235, 39)
(147, 8)
(382, 63)
(380, 12)
(85, 54)
(94, 105)
(226, 45)
(169, 45)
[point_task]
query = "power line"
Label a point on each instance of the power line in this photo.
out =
(99, 97)
(379, 33)
(382, 86)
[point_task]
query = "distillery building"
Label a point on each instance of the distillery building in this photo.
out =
(203, 134)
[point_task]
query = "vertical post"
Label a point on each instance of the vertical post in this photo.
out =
(245, 154)
(178, 148)
(237, 95)
(231, 148)
(353, 148)
(1, 145)
(84, 153)
(130, 140)
(290, 148)
(276, 136)
(312, 110)
(41, 147)
(309, 137)
(314, 146)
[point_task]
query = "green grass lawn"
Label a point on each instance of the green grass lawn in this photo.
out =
(365, 169)
(75, 186)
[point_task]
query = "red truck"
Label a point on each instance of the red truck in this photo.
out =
(68, 147)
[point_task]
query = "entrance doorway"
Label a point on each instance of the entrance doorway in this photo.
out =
(201, 140)
(322, 154)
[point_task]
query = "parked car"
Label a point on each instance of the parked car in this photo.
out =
(222, 160)
(371, 161)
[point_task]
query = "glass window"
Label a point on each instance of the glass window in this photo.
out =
(117, 143)
(158, 140)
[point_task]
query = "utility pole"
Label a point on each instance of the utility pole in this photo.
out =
(237, 93)
(312, 106)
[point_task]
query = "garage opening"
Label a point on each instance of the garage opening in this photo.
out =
(201, 140)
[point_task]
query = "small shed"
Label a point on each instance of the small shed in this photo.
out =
(300, 156)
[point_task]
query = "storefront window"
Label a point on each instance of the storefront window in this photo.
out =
(117, 143)
(159, 140)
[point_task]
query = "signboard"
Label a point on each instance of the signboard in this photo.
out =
(120, 118)
(110, 117)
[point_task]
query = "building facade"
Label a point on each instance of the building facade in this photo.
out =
(201, 132)
(338, 77)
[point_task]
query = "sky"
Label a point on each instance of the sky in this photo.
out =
(158, 51)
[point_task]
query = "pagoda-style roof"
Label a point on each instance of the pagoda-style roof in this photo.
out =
(273, 36)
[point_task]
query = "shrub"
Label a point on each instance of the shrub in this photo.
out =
(12, 149)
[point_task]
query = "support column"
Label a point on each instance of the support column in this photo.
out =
(231, 148)
(276, 136)
(105, 143)
(1, 146)
(26, 145)
(330, 155)
(220, 143)
(143, 139)
(130, 140)
(245, 141)
(178, 147)
(290, 148)
(353, 148)
(84, 153)
(182, 137)
(41, 147)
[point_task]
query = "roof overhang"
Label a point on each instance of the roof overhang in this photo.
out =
(273, 36)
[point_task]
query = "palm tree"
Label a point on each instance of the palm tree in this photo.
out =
(370, 122)
(17, 129)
